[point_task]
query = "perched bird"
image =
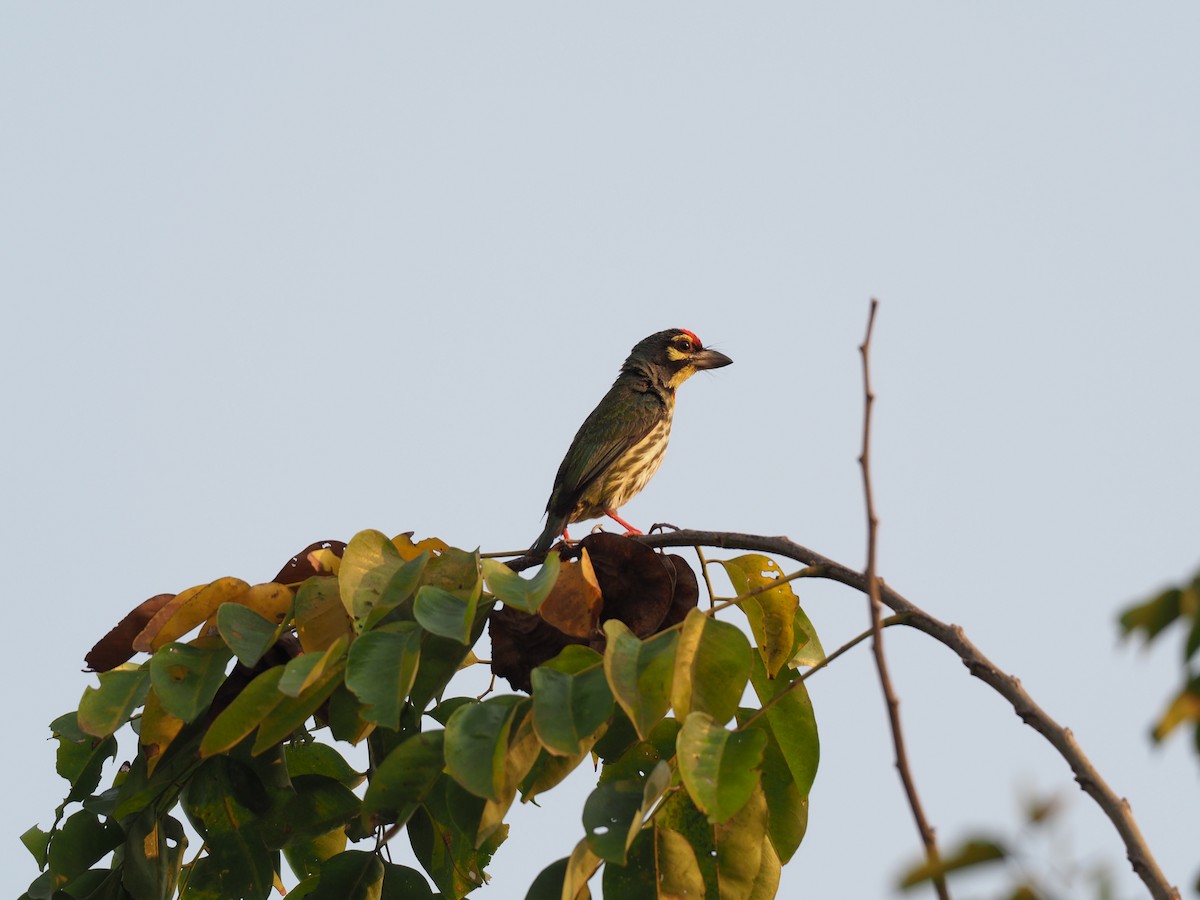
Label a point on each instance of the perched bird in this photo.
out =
(620, 445)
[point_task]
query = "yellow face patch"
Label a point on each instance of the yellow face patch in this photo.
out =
(682, 375)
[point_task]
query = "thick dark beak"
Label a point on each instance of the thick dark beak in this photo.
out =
(710, 359)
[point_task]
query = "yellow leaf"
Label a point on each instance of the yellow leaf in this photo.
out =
(271, 601)
(409, 551)
(185, 612)
(159, 728)
(325, 560)
(771, 612)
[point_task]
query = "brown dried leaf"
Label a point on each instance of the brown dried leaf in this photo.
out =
(309, 562)
(116, 647)
(574, 604)
(521, 642)
(686, 593)
(636, 585)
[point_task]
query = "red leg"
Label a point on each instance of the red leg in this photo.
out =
(612, 514)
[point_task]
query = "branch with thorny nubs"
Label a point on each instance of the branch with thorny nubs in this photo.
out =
(924, 829)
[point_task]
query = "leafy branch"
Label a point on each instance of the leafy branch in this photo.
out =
(952, 636)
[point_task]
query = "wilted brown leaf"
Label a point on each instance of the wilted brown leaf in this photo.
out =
(521, 642)
(636, 585)
(307, 562)
(116, 647)
(686, 591)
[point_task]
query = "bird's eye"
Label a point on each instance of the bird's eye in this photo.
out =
(685, 345)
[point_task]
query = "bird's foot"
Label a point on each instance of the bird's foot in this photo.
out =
(629, 529)
(664, 526)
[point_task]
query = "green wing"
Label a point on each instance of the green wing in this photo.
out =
(621, 419)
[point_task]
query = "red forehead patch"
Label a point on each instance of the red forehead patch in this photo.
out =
(692, 335)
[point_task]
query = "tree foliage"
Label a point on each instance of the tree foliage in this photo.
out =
(249, 695)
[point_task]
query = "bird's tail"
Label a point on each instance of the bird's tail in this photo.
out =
(554, 528)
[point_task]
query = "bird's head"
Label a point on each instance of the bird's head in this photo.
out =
(673, 356)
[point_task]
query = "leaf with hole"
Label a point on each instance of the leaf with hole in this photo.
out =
(772, 613)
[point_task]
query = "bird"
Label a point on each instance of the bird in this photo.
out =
(620, 445)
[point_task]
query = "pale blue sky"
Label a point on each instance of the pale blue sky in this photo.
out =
(279, 272)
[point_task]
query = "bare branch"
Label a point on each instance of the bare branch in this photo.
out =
(924, 829)
(1009, 687)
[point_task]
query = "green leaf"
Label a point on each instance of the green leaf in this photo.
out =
(661, 864)
(139, 788)
(972, 853)
(81, 841)
(477, 743)
(80, 760)
(316, 804)
(403, 883)
(440, 660)
(307, 669)
(315, 758)
(105, 709)
(404, 778)
(614, 812)
(248, 634)
(512, 590)
(305, 857)
(444, 613)
(791, 721)
(36, 842)
(772, 612)
(292, 712)
(368, 563)
(720, 769)
(787, 806)
(678, 869)
(712, 665)
(581, 866)
(153, 854)
(523, 750)
(186, 677)
(381, 670)
(443, 836)
(806, 647)
(548, 771)
(679, 815)
(1184, 707)
(571, 700)
(746, 862)
(640, 673)
(244, 713)
(1153, 616)
(549, 883)
(352, 875)
(219, 799)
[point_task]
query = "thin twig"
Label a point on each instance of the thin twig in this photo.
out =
(712, 597)
(1007, 686)
(885, 682)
